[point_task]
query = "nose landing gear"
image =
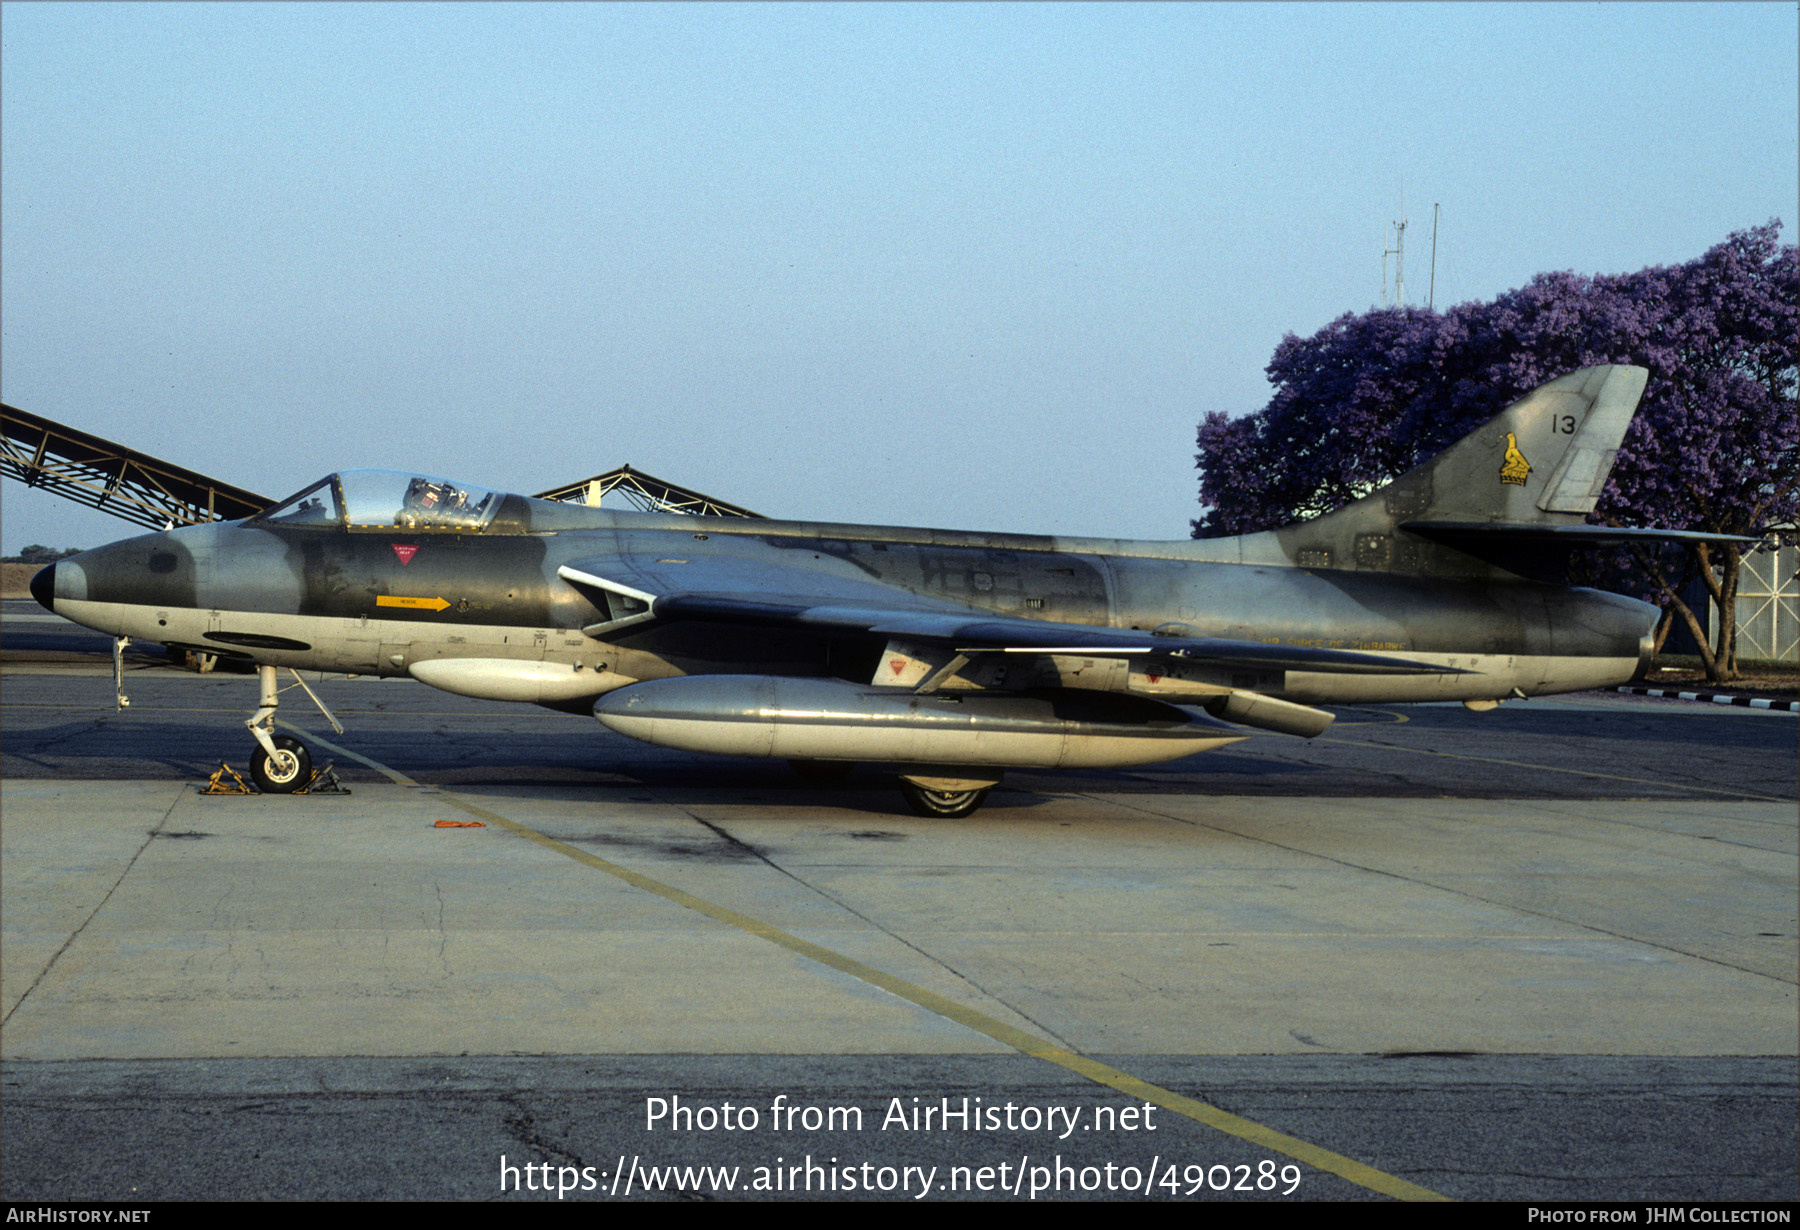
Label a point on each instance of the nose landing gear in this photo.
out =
(280, 764)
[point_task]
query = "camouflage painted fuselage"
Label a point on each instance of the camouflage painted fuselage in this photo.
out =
(382, 600)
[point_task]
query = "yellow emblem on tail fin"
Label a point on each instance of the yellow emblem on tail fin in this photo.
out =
(1514, 469)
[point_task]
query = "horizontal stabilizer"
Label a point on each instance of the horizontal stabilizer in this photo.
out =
(1483, 539)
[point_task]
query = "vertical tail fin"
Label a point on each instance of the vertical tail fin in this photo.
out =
(1531, 473)
(1542, 460)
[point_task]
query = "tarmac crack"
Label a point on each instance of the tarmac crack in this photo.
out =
(1455, 892)
(1551, 768)
(523, 1126)
(443, 936)
(1555, 807)
(858, 914)
(74, 935)
(47, 741)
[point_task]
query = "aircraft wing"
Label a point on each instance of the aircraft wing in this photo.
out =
(638, 588)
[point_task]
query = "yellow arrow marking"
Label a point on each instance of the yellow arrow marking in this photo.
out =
(425, 604)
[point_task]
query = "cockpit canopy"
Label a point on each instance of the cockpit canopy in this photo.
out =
(388, 500)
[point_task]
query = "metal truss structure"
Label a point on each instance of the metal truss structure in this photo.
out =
(139, 488)
(647, 492)
(114, 479)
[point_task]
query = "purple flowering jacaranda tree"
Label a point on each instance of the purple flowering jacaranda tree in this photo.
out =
(1715, 445)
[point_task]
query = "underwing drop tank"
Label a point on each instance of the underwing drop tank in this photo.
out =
(829, 719)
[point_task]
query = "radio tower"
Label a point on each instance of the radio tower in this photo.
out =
(1398, 252)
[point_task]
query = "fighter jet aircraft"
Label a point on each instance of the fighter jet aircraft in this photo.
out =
(949, 656)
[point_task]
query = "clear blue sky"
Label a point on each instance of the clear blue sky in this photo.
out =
(948, 264)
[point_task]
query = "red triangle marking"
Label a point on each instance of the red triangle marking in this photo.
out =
(405, 553)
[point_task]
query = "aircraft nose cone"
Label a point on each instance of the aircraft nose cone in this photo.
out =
(43, 587)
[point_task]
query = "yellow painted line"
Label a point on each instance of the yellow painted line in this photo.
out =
(417, 604)
(1393, 718)
(1020, 1040)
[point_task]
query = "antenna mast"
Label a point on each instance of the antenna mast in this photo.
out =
(1431, 295)
(1398, 252)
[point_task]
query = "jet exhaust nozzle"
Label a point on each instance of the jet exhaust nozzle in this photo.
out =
(1269, 713)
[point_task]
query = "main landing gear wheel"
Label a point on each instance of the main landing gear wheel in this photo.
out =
(286, 771)
(942, 804)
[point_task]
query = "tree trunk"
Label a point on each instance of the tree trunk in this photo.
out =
(1664, 626)
(1677, 609)
(1721, 663)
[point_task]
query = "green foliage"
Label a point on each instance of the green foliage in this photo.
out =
(37, 553)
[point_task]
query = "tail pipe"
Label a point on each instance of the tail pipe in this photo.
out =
(1267, 713)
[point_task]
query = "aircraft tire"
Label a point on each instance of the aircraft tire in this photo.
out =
(942, 804)
(287, 771)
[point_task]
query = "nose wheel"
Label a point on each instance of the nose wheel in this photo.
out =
(280, 764)
(283, 770)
